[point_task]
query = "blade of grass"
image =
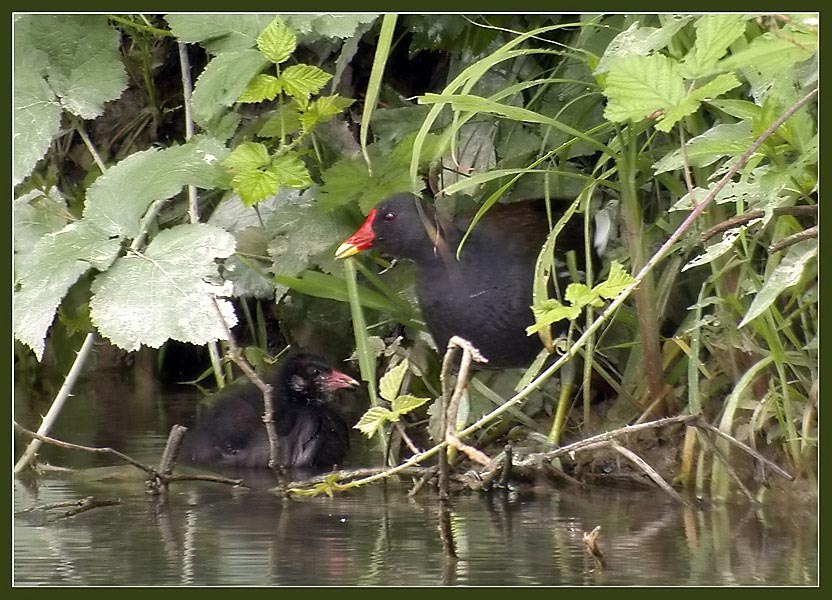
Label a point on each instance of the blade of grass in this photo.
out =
(385, 38)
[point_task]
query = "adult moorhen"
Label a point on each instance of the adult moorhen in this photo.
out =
(310, 434)
(486, 295)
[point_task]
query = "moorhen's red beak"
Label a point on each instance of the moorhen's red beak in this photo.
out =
(337, 380)
(360, 240)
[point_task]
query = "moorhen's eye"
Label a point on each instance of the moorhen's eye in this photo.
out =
(391, 216)
(315, 372)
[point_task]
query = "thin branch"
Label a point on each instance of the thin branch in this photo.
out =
(152, 473)
(791, 240)
(649, 471)
(702, 423)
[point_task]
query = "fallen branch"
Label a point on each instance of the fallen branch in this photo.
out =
(152, 473)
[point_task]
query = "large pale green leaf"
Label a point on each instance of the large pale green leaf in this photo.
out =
(36, 214)
(69, 61)
(36, 120)
(166, 291)
(118, 199)
(314, 26)
(84, 67)
(54, 264)
(219, 32)
(785, 275)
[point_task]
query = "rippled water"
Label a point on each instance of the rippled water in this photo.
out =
(208, 534)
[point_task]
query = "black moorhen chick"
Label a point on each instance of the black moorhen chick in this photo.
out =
(310, 434)
(486, 295)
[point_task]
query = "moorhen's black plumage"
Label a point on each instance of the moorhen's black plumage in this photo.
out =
(310, 434)
(486, 295)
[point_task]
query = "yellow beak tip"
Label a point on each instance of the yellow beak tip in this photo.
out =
(345, 250)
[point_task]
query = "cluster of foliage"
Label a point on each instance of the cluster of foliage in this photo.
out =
(636, 117)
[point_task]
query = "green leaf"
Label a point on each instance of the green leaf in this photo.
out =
(166, 291)
(262, 87)
(716, 249)
(718, 86)
(371, 420)
(477, 104)
(322, 285)
(579, 295)
(714, 35)
(741, 109)
(639, 86)
(69, 61)
(36, 119)
(55, 263)
(36, 214)
(222, 83)
(83, 59)
(391, 382)
(248, 156)
(217, 32)
(725, 140)
(617, 281)
(301, 81)
(315, 26)
(772, 54)
(785, 275)
(301, 236)
(407, 403)
(276, 41)
(348, 182)
(641, 41)
(290, 171)
(551, 311)
(323, 109)
(284, 121)
(255, 185)
(117, 200)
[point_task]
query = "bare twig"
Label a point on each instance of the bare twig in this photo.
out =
(451, 401)
(55, 442)
(152, 473)
(726, 463)
(649, 471)
(84, 505)
(811, 210)
(702, 423)
(811, 232)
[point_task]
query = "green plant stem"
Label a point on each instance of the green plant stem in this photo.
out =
(644, 293)
(138, 26)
